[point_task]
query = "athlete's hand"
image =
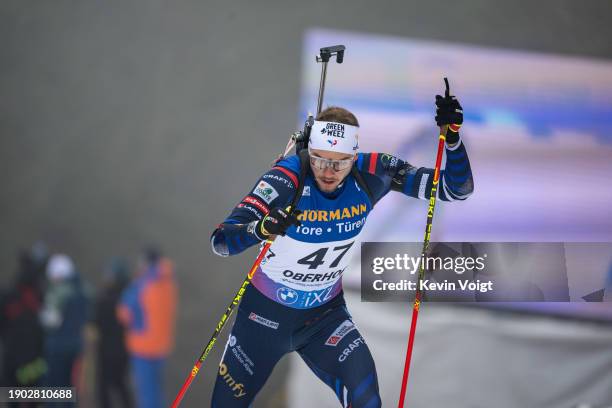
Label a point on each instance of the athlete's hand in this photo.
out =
(449, 112)
(276, 222)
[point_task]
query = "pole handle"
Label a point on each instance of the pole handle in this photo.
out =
(447, 91)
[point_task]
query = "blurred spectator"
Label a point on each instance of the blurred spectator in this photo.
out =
(20, 329)
(38, 257)
(64, 315)
(111, 354)
(147, 309)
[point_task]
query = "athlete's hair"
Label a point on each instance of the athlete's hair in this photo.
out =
(338, 114)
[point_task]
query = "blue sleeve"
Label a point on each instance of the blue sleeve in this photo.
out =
(384, 172)
(378, 170)
(456, 182)
(275, 188)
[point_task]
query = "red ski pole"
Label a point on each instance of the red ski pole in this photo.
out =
(430, 214)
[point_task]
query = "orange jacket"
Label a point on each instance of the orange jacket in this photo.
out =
(148, 310)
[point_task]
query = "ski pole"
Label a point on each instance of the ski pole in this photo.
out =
(220, 325)
(421, 274)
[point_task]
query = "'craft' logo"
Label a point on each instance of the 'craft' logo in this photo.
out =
(352, 346)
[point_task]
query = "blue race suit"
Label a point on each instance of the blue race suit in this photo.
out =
(296, 303)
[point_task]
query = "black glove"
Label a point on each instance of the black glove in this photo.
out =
(276, 222)
(449, 112)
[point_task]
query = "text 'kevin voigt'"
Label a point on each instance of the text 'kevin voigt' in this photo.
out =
(429, 285)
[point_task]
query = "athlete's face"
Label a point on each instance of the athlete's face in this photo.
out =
(327, 178)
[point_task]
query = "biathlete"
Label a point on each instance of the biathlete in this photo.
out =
(295, 302)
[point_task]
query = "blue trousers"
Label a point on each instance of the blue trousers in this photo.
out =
(148, 381)
(325, 337)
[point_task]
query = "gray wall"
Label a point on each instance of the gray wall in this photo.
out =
(126, 122)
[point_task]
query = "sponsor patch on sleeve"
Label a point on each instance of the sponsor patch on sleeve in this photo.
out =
(254, 210)
(257, 203)
(265, 191)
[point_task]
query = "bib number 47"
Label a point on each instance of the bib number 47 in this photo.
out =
(315, 259)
